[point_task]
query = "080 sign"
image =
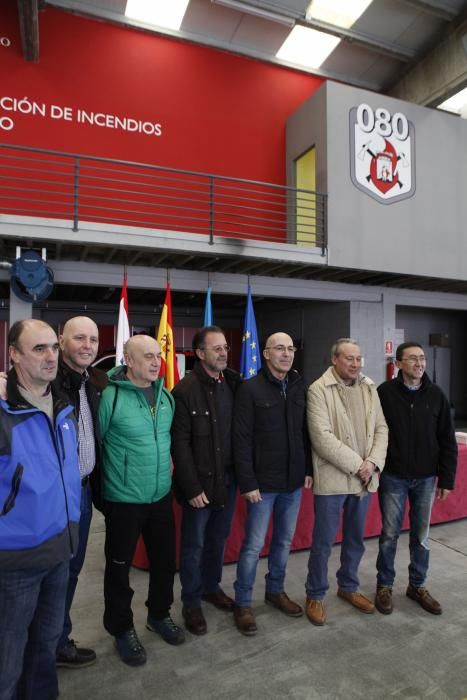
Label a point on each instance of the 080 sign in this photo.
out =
(381, 121)
(382, 153)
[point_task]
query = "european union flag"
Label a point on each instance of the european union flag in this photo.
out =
(208, 321)
(250, 362)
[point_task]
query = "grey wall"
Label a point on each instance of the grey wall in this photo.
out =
(314, 325)
(422, 235)
(325, 323)
(418, 324)
(366, 326)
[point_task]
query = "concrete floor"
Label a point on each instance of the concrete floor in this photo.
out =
(410, 654)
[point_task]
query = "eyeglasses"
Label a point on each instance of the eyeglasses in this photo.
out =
(283, 348)
(413, 359)
(217, 348)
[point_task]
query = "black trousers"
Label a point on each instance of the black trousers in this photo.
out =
(124, 524)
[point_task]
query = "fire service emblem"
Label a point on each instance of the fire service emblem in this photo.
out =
(382, 162)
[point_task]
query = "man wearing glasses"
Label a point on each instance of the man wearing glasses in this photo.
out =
(421, 463)
(349, 441)
(272, 462)
(203, 473)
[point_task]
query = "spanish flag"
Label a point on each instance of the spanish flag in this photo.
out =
(165, 338)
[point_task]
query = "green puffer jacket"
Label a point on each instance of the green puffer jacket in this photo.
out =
(135, 443)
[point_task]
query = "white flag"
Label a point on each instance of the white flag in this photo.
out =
(123, 329)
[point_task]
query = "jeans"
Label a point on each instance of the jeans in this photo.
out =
(284, 509)
(327, 518)
(124, 523)
(32, 603)
(204, 532)
(76, 564)
(393, 494)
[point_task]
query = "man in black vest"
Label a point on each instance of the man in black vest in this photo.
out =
(82, 384)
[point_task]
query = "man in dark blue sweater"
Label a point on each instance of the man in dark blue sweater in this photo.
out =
(421, 463)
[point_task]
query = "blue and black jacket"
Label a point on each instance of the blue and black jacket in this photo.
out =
(40, 487)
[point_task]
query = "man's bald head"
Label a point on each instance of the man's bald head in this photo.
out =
(79, 343)
(279, 354)
(143, 359)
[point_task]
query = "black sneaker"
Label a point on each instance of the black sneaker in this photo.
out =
(130, 648)
(168, 630)
(71, 656)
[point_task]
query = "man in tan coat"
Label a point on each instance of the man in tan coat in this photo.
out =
(349, 440)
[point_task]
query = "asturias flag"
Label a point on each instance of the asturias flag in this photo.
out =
(165, 338)
(250, 362)
(208, 309)
(123, 328)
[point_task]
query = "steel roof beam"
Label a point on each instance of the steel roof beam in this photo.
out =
(366, 41)
(434, 7)
(29, 29)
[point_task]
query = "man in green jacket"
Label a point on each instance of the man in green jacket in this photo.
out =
(135, 417)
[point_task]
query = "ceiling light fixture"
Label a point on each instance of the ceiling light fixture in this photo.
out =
(456, 103)
(343, 13)
(163, 13)
(255, 11)
(307, 47)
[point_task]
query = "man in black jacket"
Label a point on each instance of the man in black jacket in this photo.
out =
(421, 462)
(82, 384)
(272, 463)
(203, 473)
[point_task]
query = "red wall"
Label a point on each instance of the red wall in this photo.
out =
(219, 112)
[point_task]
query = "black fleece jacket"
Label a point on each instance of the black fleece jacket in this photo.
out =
(197, 439)
(422, 441)
(272, 449)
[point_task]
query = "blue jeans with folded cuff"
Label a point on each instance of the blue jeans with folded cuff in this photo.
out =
(32, 603)
(203, 536)
(284, 508)
(76, 563)
(393, 495)
(328, 511)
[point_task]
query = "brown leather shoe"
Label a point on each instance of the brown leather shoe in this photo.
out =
(423, 598)
(314, 610)
(383, 599)
(245, 621)
(357, 600)
(194, 621)
(220, 600)
(282, 602)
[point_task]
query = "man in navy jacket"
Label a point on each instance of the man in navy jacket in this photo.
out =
(272, 462)
(421, 462)
(39, 514)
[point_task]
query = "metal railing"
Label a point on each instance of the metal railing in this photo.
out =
(52, 184)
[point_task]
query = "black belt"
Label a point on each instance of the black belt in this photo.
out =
(85, 480)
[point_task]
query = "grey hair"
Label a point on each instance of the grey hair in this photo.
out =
(341, 341)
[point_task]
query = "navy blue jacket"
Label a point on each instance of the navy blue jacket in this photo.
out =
(40, 486)
(271, 445)
(422, 441)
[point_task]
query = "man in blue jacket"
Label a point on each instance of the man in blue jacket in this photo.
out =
(39, 514)
(272, 462)
(421, 462)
